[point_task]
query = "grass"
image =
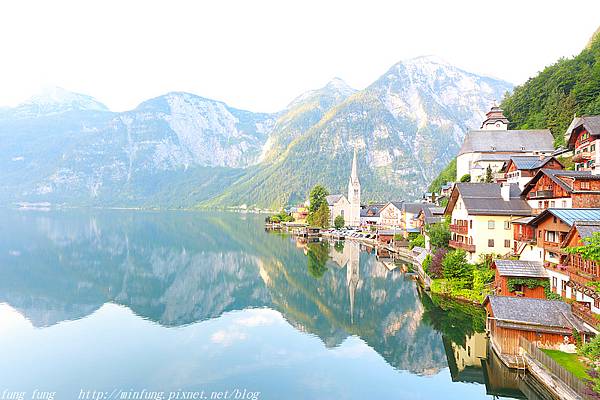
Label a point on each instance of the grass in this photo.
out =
(569, 361)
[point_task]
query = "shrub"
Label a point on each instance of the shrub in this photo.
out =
(435, 269)
(417, 241)
(339, 222)
(455, 266)
(465, 178)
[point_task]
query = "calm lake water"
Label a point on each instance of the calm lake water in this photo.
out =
(125, 305)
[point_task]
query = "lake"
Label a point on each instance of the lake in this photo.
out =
(182, 305)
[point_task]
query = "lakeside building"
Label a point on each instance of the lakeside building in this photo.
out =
(347, 207)
(446, 189)
(505, 270)
(582, 138)
(408, 220)
(428, 216)
(544, 322)
(481, 217)
(521, 169)
(551, 188)
(369, 214)
(494, 144)
(390, 215)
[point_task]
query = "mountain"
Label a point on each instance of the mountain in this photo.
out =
(174, 150)
(183, 150)
(550, 99)
(407, 125)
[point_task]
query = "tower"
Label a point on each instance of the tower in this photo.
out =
(495, 120)
(353, 214)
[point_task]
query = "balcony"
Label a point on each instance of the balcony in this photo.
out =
(464, 246)
(582, 157)
(583, 312)
(460, 229)
(541, 194)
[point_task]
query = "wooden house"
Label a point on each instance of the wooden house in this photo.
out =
(512, 275)
(521, 169)
(551, 188)
(582, 138)
(547, 323)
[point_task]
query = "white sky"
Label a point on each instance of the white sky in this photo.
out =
(259, 55)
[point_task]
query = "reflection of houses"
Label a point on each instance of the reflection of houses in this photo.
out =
(494, 144)
(465, 362)
(543, 322)
(519, 269)
(481, 217)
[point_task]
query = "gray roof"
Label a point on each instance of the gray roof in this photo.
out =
(507, 141)
(412, 208)
(486, 199)
(397, 204)
(587, 228)
(493, 157)
(556, 174)
(534, 314)
(569, 215)
(433, 214)
(590, 123)
(521, 268)
(524, 220)
(530, 162)
(375, 209)
(333, 198)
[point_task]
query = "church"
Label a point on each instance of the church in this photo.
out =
(347, 207)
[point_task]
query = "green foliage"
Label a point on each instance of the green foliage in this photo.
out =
(339, 222)
(427, 263)
(318, 254)
(482, 277)
(590, 250)
(398, 237)
(321, 217)
(417, 241)
(567, 162)
(549, 100)
(465, 178)
(448, 174)
(456, 267)
(281, 217)
(439, 234)
(532, 283)
(339, 246)
(489, 176)
(317, 197)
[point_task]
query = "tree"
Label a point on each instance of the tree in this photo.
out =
(590, 250)
(320, 218)
(455, 266)
(318, 254)
(439, 234)
(435, 268)
(465, 178)
(417, 241)
(489, 176)
(317, 197)
(339, 222)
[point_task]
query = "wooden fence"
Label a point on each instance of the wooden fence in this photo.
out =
(578, 385)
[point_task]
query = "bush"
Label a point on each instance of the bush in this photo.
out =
(439, 234)
(435, 269)
(465, 178)
(455, 266)
(417, 241)
(339, 222)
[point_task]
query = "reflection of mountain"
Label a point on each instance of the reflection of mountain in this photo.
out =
(178, 268)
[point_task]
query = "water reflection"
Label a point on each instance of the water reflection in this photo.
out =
(177, 269)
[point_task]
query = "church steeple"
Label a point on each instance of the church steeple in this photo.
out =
(353, 216)
(354, 174)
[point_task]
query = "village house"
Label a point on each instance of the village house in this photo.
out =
(428, 216)
(338, 205)
(583, 272)
(493, 145)
(446, 189)
(521, 169)
(551, 188)
(369, 214)
(551, 229)
(390, 215)
(510, 275)
(481, 217)
(300, 213)
(544, 322)
(524, 241)
(408, 219)
(582, 137)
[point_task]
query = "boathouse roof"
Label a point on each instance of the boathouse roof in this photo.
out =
(540, 315)
(520, 268)
(514, 141)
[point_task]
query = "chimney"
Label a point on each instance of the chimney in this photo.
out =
(505, 191)
(542, 157)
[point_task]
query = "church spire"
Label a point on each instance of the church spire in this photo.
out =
(354, 175)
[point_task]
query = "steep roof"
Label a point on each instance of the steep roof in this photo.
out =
(531, 162)
(591, 124)
(521, 268)
(486, 199)
(568, 215)
(557, 176)
(533, 314)
(585, 229)
(333, 199)
(433, 214)
(412, 208)
(516, 141)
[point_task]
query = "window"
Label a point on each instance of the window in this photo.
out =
(563, 285)
(506, 243)
(593, 147)
(491, 225)
(506, 225)
(490, 242)
(585, 185)
(564, 204)
(552, 203)
(471, 224)
(539, 204)
(554, 283)
(597, 302)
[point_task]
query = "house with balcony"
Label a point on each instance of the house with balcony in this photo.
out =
(521, 169)
(369, 214)
(507, 270)
(524, 242)
(582, 138)
(583, 274)
(551, 188)
(494, 143)
(390, 215)
(481, 217)
(551, 229)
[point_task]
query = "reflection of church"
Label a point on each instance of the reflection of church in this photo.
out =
(349, 258)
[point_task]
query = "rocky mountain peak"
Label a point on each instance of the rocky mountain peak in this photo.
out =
(55, 100)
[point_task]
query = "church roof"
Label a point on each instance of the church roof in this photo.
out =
(333, 199)
(514, 141)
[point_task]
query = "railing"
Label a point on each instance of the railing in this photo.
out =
(584, 313)
(583, 156)
(460, 229)
(576, 384)
(460, 245)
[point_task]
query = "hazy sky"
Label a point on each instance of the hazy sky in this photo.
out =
(259, 55)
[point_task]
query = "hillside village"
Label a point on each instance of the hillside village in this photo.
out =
(515, 232)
